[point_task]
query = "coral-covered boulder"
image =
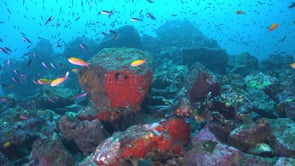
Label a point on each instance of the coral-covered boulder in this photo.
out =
(209, 151)
(200, 82)
(86, 134)
(114, 86)
(156, 141)
(50, 152)
(213, 59)
(249, 135)
(282, 138)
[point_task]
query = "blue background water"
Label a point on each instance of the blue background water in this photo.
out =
(215, 18)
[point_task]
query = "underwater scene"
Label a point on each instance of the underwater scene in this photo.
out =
(147, 83)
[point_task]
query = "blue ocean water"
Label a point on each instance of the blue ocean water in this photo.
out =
(217, 19)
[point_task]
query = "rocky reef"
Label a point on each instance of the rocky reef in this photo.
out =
(175, 108)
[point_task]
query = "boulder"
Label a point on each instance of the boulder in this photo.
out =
(212, 58)
(113, 85)
(156, 141)
(249, 135)
(200, 82)
(282, 138)
(242, 64)
(86, 134)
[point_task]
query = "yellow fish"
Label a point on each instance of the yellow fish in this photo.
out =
(6, 144)
(292, 65)
(59, 80)
(137, 62)
(77, 61)
(44, 81)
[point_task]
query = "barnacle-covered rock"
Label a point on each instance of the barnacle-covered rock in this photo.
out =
(156, 141)
(113, 85)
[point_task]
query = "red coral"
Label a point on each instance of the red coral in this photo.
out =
(125, 88)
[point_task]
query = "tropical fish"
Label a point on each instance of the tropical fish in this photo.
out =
(80, 95)
(292, 65)
(151, 16)
(59, 80)
(240, 12)
(103, 33)
(74, 70)
(6, 144)
(292, 5)
(106, 12)
(49, 20)
(78, 18)
(26, 39)
(52, 65)
(29, 62)
(83, 46)
(135, 19)
(7, 63)
(137, 62)
(45, 65)
(273, 26)
(77, 61)
(5, 50)
(44, 81)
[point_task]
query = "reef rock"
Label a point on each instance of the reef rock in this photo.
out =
(86, 134)
(212, 58)
(249, 135)
(126, 36)
(282, 138)
(200, 82)
(50, 152)
(209, 151)
(113, 85)
(156, 141)
(242, 64)
(183, 34)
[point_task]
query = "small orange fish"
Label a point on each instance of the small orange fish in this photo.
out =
(137, 62)
(59, 80)
(74, 70)
(240, 12)
(292, 65)
(273, 26)
(77, 61)
(44, 81)
(6, 144)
